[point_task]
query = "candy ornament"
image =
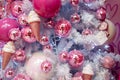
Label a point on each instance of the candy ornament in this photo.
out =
(6, 25)
(47, 9)
(8, 50)
(40, 66)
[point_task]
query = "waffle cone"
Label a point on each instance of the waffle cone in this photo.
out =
(6, 59)
(35, 26)
(87, 77)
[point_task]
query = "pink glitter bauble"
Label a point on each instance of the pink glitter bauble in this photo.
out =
(16, 8)
(14, 34)
(63, 28)
(76, 58)
(101, 14)
(47, 8)
(21, 76)
(27, 35)
(6, 25)
(9, 73)
(19, 55)
(46, 66)
(44, 40)
(22, 19)
(63, 56)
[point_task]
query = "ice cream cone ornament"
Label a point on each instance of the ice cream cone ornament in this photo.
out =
(8, 50)
(87, 72)
(34, 21)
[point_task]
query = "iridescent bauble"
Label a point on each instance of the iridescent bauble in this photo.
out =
(19, 55)
(27, 35)
(22, 19)
(22, 76)
(48, 8)
(46, 66)
(14, 34)
(9, 73)
(101, 14)
(63, 56)
(16, 8)
(63, 28)
(48, 46)
(44, 40)
(76, 58)
(6, 25)
(108, 62)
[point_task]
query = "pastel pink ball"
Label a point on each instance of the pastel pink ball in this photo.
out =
(47, 8)
(6, 25)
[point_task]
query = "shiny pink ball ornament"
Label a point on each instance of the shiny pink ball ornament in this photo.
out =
(9, 73)
(108, 62)
(74, 2)
(16, 8)
(19, 55)
(46, 66)
(28, 35)
(63, 56)
(101, 14)
(75, 18)
(14, 34)
(86, 32)
(63, 28)
(48, 47)
(6, 25)
(76, 58)
(21, 76)
(47, 8)
(22, 19)
(44, 40)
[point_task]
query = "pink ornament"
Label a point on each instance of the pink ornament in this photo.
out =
(63, 28)
(47, 9)
(14, 34)
(86, 32)
(27, 35)
(46, 66)
(44, 40)
(22, 19)
(76, 58)
(108, 62)
(9, 73)
(21, 77)
(101, 14)
(75, 18)
(74, 2)
(19, 55)
(16, 8)
(63, 56)
(6, 25)
(49, 47)
(50, 24)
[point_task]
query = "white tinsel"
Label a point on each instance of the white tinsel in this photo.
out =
(96, 4)
(63, 71)
(27, 6)
(98, 38)
(89, 19)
